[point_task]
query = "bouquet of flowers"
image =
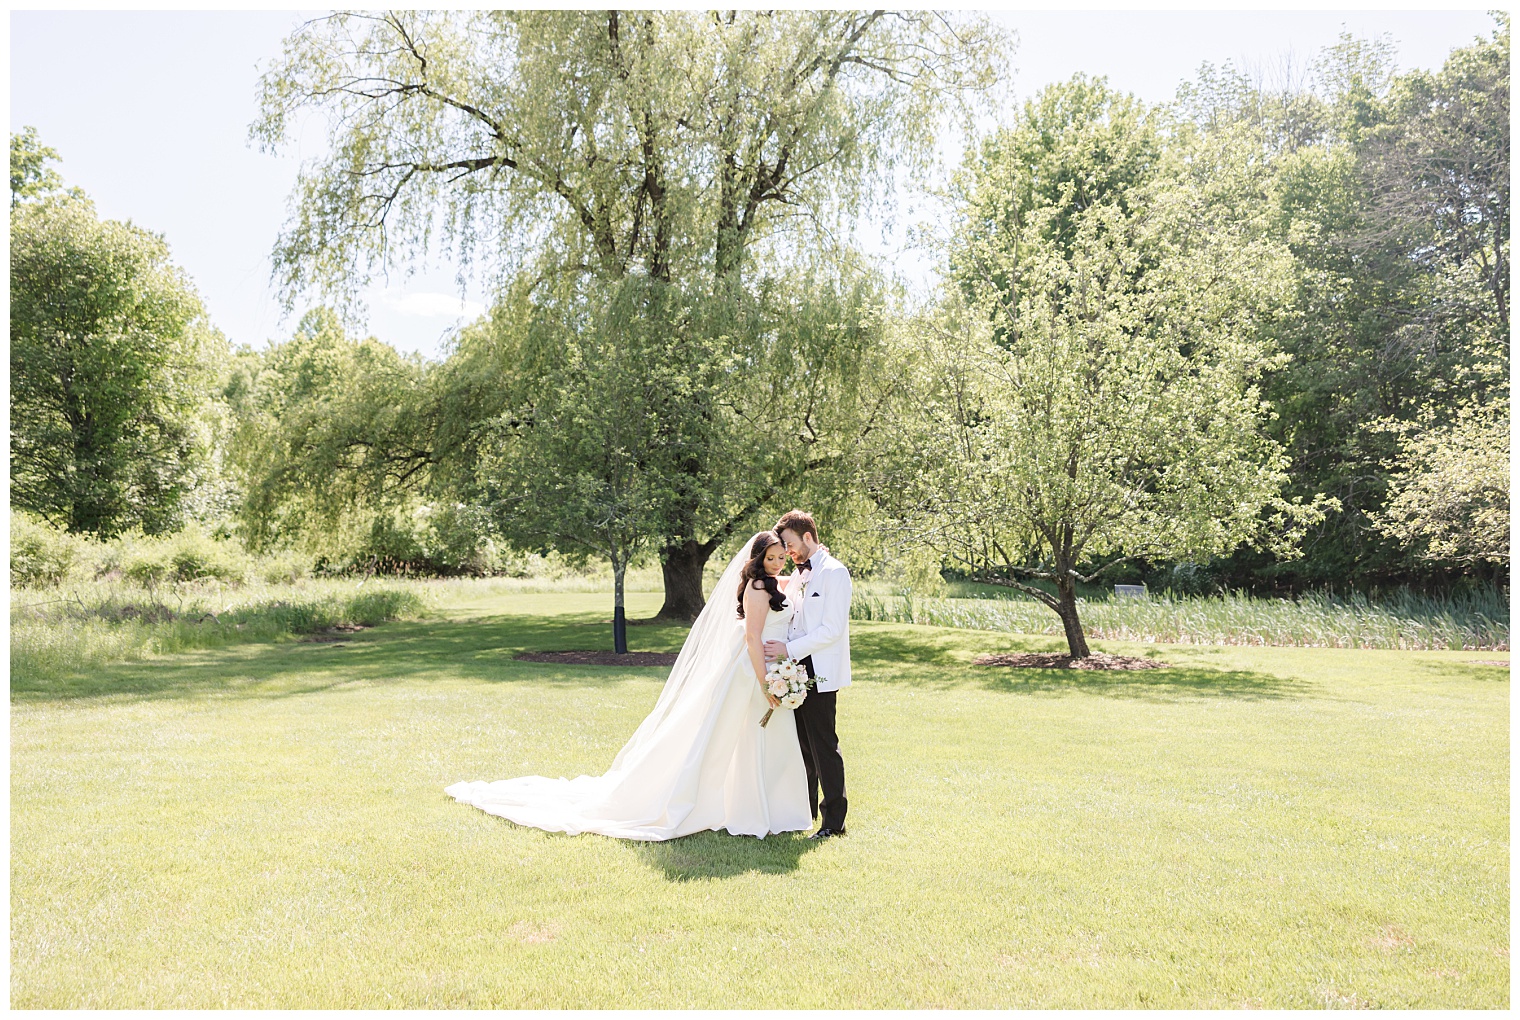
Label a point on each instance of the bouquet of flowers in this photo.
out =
(786, 680)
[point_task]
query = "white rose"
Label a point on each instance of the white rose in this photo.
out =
(778, 688)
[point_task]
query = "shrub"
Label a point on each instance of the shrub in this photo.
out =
(40, 553)
(188, 555)
(457, 540)
(394, 539)
(1192, 579)
(438, 538)
(537, 566)
(143, 562)
(284, 567)
(193, 554)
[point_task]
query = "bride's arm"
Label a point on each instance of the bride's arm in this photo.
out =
(757, 602)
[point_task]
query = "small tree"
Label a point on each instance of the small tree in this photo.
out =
(579, 456)
(111, 362)
(1085, 395)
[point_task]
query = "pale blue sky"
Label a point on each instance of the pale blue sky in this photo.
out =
(150, 113)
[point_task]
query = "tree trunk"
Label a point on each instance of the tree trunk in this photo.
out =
(619, 619)
(88, 512)
(682, 564)
(1076, 641)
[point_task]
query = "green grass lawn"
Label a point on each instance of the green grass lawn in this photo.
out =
(265, 826)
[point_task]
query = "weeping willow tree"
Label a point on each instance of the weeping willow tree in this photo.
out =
(692, 149)
(603, 392)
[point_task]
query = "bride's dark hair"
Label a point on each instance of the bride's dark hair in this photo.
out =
(754, 570)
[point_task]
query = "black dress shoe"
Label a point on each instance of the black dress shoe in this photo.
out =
(826, 833)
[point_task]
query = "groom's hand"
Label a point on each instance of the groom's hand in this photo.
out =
(775, 650)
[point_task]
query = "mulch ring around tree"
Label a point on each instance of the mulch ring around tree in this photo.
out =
(600, 658)
(1055, 660)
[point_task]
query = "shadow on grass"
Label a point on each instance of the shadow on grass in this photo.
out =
(480, 649)
(1171, 683)
(911, 645)
(1465, 669)
(721, 855)
(936, 658)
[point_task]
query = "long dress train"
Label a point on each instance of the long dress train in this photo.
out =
(699, 761)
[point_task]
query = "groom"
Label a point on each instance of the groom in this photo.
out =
(818, 638)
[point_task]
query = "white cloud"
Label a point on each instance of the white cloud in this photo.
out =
(427, 305)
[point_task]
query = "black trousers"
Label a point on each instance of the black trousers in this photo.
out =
(820, 753)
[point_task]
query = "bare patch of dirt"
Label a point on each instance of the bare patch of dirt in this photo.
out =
(600, 658)
(1391, 938)
(1055, 660)
(532, 934)
(1489, 662)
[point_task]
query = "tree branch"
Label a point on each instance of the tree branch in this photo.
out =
(1090, 578)
(1039, 593)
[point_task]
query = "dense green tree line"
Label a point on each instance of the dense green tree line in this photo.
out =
(1257, 336)
(1392, 193)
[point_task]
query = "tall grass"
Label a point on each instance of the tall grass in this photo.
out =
(55, 630)
(1406, 620)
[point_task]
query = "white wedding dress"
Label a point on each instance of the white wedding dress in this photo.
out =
(700, 760)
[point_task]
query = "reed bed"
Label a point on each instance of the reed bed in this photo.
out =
(62, 629)
(1407, 621)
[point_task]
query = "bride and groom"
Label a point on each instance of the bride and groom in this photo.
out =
(701, 759)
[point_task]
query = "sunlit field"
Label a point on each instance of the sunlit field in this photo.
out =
(264, 825)
(556, 297)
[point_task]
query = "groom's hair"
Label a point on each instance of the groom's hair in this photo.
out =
(799, 521)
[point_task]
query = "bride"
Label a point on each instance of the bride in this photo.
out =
(699, 760)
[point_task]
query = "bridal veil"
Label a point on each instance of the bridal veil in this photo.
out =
(697, 761)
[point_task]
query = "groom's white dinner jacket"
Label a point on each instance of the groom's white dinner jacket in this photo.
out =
(821, 625)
